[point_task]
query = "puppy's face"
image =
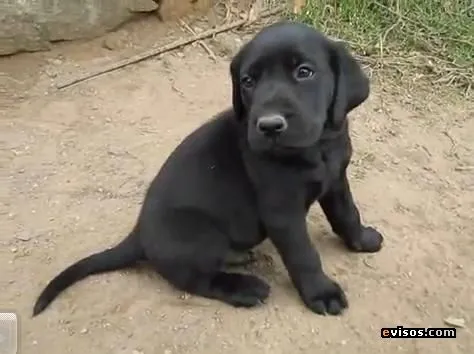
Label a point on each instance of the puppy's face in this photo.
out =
(285, 87)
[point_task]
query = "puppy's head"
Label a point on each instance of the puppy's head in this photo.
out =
(289, 83)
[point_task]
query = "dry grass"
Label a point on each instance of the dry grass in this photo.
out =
(416, 39)
(425, 41)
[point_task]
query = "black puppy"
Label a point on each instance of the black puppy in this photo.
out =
(253, 172)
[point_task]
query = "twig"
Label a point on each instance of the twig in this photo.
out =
(464, 168)
(201, 43)
(453, 149)
(384, 37)
(254, 12)
(13, 79)
(368, 264)
(227, 12)
(156, 51)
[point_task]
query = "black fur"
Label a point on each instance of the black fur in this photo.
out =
(229, 185)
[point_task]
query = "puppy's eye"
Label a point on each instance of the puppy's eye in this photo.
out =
(247, 81)
(304, 72)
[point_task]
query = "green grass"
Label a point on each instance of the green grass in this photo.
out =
(434, 37)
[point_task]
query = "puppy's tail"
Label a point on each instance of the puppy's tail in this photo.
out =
(126, 254)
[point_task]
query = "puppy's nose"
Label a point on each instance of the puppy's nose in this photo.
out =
(271, 125)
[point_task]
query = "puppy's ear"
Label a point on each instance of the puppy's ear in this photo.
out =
(351, 84)
(237, 102)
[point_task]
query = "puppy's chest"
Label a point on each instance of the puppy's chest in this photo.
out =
(325, 168)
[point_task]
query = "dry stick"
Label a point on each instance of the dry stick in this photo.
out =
(166, 48)
(464, 168)
(201, 43)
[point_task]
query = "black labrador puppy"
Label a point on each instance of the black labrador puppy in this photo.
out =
(253, 172)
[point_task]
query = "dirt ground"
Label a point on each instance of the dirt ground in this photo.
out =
(75, 165)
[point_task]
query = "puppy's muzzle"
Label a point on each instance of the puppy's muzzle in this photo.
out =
(271, 125)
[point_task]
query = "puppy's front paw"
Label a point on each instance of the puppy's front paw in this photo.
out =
(326, 297)
(370, 240)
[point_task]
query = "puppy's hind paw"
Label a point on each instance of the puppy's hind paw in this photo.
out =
(240, 290)
(370, 240)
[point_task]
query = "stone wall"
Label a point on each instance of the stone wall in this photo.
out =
(31, 25)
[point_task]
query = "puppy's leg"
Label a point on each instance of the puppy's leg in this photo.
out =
(201, 275)
(320, 293)
(281, 200)
(343, 215)
(285, 224)
(190, 254)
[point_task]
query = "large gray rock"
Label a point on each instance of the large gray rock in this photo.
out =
(31, 25)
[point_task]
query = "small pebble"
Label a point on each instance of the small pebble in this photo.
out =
(185, 296)
(51, 73)
(23, 237)
(455, 322)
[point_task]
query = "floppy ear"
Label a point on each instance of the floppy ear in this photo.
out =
(237, 102)
(351, 84)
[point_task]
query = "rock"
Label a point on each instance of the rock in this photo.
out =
(114, 41)
(31, 25)
(18, 31)
(143, 5)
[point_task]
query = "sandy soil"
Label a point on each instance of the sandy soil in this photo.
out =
(75, 165)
